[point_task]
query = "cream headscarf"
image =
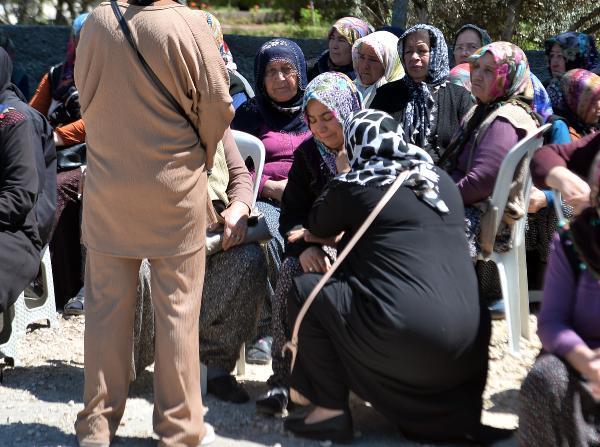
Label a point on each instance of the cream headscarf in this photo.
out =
(385, 45)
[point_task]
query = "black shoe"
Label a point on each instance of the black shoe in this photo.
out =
(336, 429)
(228, 389)
(274, 402)
(259, 352)
(76, 305)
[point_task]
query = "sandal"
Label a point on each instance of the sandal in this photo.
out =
(259, 352)
(75, 306)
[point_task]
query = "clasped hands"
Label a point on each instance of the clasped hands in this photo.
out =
(313, 259)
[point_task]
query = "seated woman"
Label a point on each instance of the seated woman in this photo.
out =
(468, 39)
(428, 106)
(20, 243)
(274, 115)
(338, 56)
(581, 92)
(56, 98)
(234, 282)
(565, 52)
(559, 398)
(400, 324)
(503, 116)
(328, 101)
(239, 88)
(376, 62)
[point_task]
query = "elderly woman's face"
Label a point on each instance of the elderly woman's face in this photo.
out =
(466, 44)
(340, 51)
(281, 81)
(593, 114)
(370, 67)
(483, 78)
(416, 55)
(324, 125)
(557, 60)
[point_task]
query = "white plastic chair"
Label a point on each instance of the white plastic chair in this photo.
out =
(27, 310)
(250, 146)
(512, 267)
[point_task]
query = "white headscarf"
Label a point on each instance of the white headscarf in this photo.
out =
(385, 46)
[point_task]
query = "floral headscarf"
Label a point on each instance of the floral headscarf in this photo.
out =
(541, 101)
(280, 117)
(385, 46)
(512, 71)
(579, 51)
(337, 92)
(351, 28)
(461, 75)
(217, 31)
(581, 90)
(378, 153)
(417, 120)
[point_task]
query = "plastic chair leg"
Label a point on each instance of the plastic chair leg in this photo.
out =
(240, 365)
(508, 272)
(523, 292)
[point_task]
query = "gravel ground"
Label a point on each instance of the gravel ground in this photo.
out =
(40, 399)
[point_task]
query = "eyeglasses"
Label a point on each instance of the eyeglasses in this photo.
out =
(286, 72)
(471, 48)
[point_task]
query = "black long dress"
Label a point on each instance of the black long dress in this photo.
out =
(401, 324)
(19, 240)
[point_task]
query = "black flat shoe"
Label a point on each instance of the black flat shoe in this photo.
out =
(274, 402)
(337, 429)
(228, 389)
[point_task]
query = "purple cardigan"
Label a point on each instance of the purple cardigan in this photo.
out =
(279, 153)
(478, 183)
(570, 314)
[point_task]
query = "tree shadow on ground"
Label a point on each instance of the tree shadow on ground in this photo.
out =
(36, 434)
(504, 401)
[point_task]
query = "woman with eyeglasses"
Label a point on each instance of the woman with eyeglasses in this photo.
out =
(274, 116)
(424, 102)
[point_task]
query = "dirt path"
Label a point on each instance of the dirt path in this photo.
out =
(40, 399)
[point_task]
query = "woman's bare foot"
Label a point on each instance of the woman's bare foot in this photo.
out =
(320, 414)
(298, 398)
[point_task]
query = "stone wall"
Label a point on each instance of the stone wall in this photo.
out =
(39, 47)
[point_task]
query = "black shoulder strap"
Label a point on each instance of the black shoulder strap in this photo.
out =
(157, 82)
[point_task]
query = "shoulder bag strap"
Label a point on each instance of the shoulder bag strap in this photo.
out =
(292, 345)
(157, 82)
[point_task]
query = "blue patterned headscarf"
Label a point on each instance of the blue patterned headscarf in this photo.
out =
(541, 100)
(280, 116)
(339, 94)
(416, 123)
(579, 51)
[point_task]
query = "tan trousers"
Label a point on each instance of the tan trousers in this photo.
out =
(110, 300)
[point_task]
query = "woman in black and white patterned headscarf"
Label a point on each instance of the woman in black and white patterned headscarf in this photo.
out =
(400, 322)
(420, 98)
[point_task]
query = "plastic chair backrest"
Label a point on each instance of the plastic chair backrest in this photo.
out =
(250, 146)
(523, 150)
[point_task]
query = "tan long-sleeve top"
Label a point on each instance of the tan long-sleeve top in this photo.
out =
(145, 191)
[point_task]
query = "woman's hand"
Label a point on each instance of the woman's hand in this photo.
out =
(587, 362)
(236, 224)
(537, 200)
(575, 191)
(273, 189)
(313, 259)
(341, 161)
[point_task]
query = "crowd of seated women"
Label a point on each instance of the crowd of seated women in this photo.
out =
(404, 322)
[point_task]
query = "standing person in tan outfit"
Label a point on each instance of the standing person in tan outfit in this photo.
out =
(146, 197)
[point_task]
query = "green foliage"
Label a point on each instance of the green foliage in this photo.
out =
(309, 17)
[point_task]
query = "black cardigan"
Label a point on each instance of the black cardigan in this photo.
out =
(453, 101)
(308, 177)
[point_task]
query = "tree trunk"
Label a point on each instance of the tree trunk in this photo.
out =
(400, 13)
(512, 12)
